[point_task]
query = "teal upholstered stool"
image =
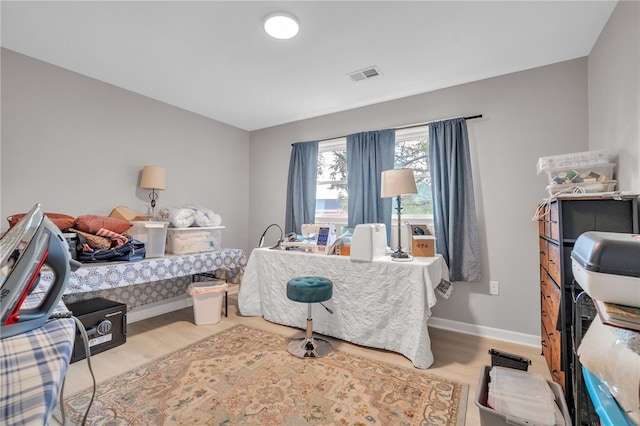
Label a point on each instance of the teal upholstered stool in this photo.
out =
(309, 290)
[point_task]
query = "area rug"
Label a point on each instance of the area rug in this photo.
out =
(245, 376)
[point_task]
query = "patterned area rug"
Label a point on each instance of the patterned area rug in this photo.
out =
(245, 376)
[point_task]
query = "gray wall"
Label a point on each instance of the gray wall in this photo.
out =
(526, 115)
(77, 146)
(614, 92)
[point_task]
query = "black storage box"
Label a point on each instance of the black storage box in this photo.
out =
(607, 266)
(105, 322)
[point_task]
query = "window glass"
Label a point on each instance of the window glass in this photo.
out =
(331, 191)
(412, 151)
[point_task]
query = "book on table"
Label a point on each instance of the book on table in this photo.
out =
(619, 315)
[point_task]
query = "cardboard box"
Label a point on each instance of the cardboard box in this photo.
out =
(423, 245)
(125, 213)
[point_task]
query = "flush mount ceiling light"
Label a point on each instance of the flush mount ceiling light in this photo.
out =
(281, 25)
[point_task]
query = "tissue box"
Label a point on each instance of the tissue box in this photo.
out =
(194, 239)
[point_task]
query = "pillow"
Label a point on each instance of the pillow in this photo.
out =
(62, 221)
(92, 224)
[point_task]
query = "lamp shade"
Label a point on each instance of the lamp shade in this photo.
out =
(153, 178)
(398, 182)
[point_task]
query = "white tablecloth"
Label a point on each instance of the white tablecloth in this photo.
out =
(382, 304)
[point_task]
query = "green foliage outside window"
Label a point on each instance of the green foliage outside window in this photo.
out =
(411, 152)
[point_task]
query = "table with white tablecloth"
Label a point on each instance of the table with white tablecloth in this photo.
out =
(381, 304)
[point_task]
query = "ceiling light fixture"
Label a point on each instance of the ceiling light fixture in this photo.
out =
(281, 25)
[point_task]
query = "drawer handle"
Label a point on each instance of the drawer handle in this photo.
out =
(544, 343)
(552, 262)
(543, 313)
(549, 298)
(552, 337)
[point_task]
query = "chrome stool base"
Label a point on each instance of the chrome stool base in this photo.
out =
(309, 348)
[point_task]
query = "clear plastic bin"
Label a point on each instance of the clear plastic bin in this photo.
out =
(207, 301)
(492, 417)
(574, 159)
(584, 187)
(194, 239)
(152, 234)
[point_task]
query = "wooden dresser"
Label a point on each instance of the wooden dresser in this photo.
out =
(562, 222)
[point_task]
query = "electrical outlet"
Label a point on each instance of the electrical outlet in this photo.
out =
(494, 287)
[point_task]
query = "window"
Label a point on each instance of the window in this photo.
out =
(412, 151)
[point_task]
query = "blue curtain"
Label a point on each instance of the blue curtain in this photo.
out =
(454, 211)
(368, 154)
(301, 186)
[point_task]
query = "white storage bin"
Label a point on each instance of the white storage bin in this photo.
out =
(152, 234)
(581, 174)
(194, 239)
(584, 187)
(207, 301)
(575, 159)
(491, 417)
(521, 394)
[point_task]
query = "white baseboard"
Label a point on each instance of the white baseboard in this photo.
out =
(184, 301)
(489, 332)
(142, 312)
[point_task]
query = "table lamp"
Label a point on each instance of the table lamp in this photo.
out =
(395, 183)
(153, 179)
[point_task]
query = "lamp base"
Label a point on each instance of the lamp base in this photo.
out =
(401, 256)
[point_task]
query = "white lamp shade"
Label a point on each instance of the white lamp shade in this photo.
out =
(398, 182)
(153, 178)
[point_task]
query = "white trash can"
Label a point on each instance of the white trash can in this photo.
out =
(207, 301)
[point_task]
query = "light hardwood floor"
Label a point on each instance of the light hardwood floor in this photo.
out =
(457, 356)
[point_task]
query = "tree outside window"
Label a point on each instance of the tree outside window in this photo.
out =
(412, 151)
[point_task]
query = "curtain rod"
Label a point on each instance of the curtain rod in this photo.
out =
(471, 117)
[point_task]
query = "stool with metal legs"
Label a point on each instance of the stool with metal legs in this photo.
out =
(309, 290)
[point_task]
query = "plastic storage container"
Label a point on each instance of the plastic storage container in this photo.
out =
(207, 301)
(152, 234)
(588, 173)
(574, 159)
(606, 266)
(583, 187)
(609, 411)
(491, 417)
(194, 240)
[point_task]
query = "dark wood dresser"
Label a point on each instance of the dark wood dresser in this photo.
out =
(560, 223)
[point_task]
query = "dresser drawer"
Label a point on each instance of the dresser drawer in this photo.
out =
(551, 342)
(543, 252)
(554, 228)
(553, 261)
(549, 303)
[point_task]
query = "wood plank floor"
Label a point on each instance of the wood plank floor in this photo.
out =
(457, 356)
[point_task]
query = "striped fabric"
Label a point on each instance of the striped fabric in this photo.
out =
(116, 238)
(32, 370)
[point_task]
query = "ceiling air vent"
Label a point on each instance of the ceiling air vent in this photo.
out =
(364, 74)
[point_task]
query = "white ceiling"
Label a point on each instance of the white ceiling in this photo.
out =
(213, 57)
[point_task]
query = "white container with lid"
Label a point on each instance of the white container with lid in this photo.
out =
(522, 394)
